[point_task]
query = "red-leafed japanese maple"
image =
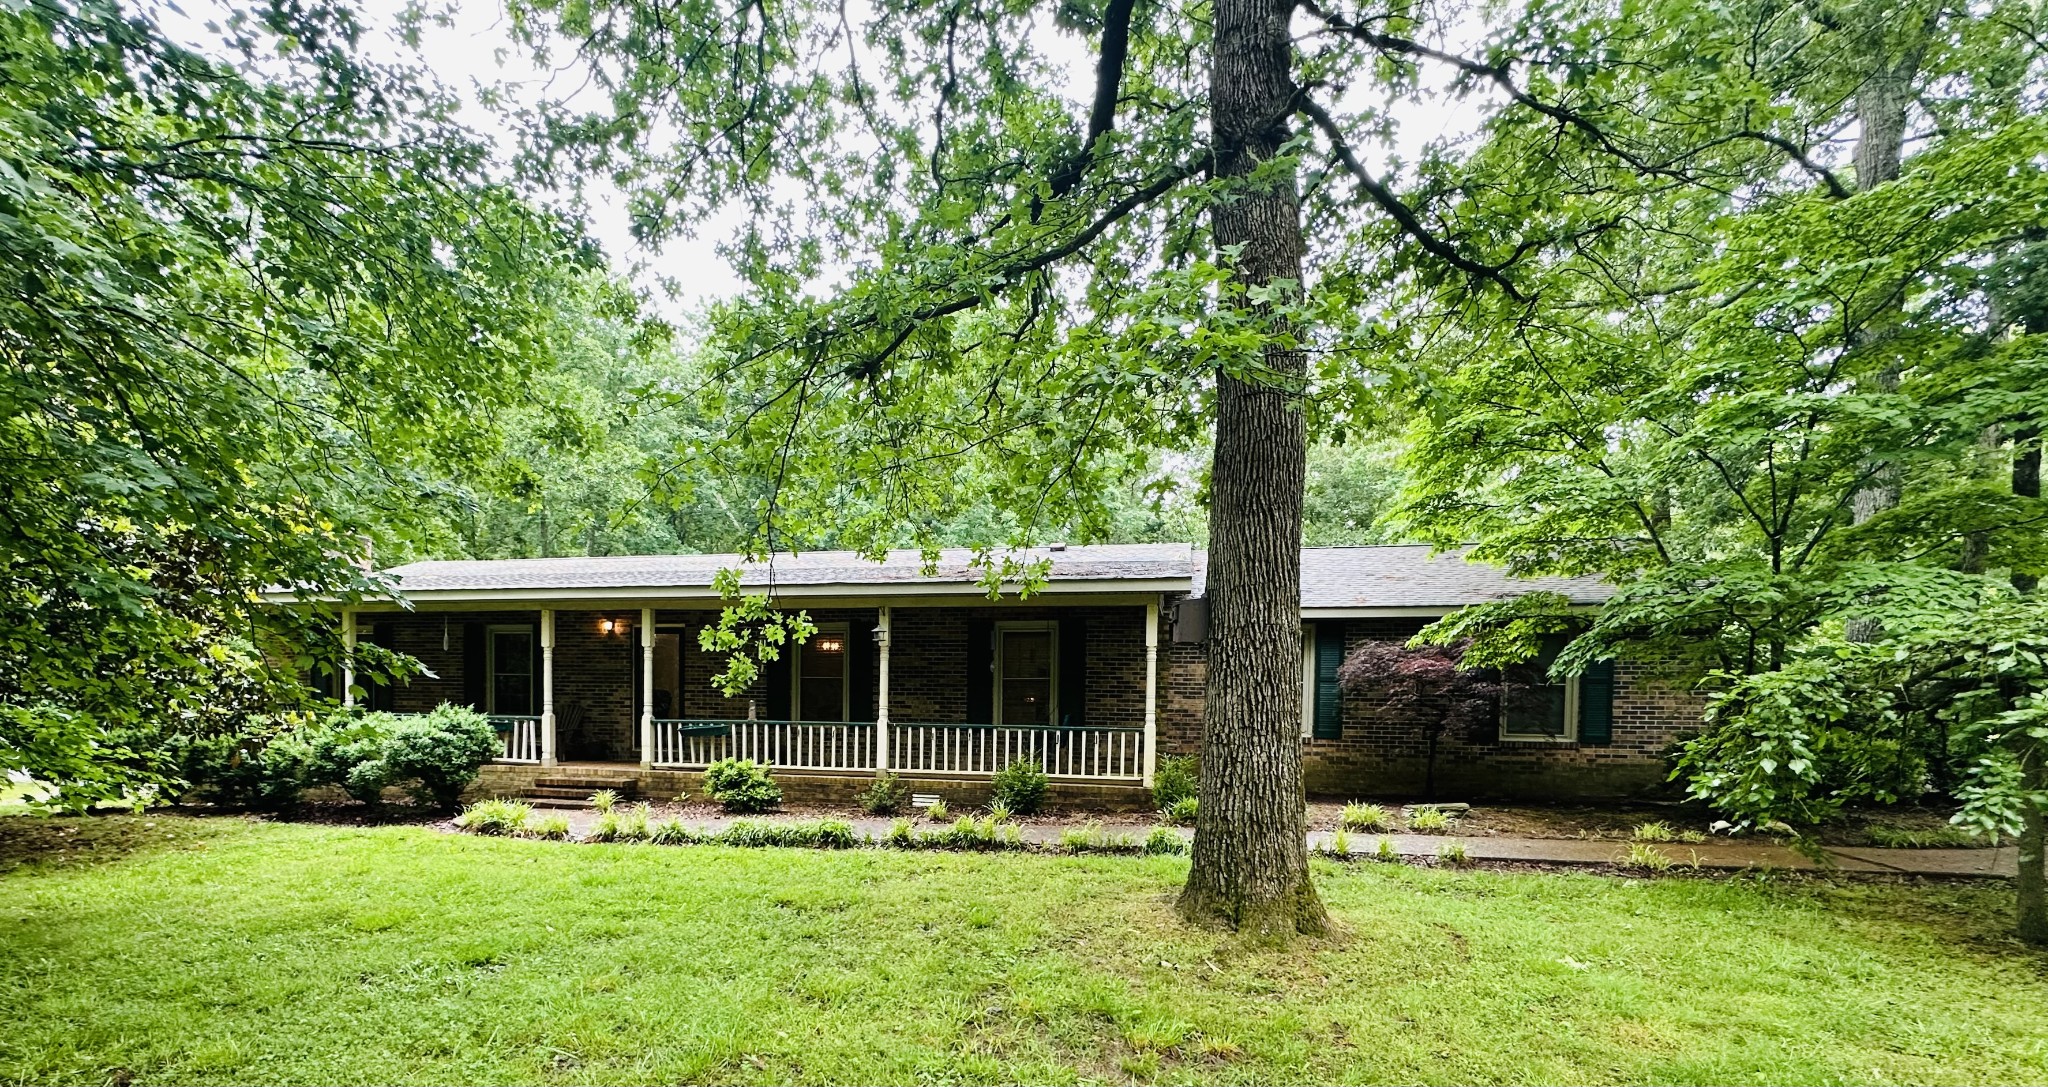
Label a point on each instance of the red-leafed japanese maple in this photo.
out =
(1427, 684)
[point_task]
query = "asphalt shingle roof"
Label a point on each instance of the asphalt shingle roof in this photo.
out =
(1407, 576)
(1120, 562)
(1398, 576)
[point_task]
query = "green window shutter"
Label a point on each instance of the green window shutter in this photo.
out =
(475, 662)
(1073, 694)
(1596, 703)
(778, 673)
(860, 671)
(981, 671)
(1329, 702)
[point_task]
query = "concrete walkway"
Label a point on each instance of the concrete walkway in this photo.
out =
(2000, 861)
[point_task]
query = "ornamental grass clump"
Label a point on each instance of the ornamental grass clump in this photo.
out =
(1369, 817)
(1428, 819)
(553, 828)
(1181, 813)
(1164, 842)
(495, 817)
(1384, 851)
(1453, 853)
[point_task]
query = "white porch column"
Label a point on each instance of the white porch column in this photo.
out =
(547, 686)
(882, 694)
(646, 687)
(348, 656)
(1151, 691)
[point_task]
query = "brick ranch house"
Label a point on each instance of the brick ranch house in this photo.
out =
(592, 665)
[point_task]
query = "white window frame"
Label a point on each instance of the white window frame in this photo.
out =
(1052, 674)
(845, 673)
(1571, 720)
(1308, 680)
(491, 664)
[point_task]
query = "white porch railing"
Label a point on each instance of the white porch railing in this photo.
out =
(694, 743)
(1087, 751)
(1094, 753)
(521, 736)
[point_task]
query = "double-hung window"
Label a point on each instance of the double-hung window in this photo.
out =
(1535, 707)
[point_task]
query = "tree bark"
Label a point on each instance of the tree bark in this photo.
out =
(1250, 867)
(1881, 103)
(2032, 883)
(2026, 479)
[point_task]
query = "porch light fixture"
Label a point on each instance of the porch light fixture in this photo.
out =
(610, 626)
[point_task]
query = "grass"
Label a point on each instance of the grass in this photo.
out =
(1946, 837)
(233, 951)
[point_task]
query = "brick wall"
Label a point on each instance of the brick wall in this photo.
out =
(1384, 752)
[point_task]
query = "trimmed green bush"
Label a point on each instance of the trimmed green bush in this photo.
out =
(1176, 778)
(1021, 786)
(438, 754)
(883, 796)
(742, 785)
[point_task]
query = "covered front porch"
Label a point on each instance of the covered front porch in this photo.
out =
(926, 689)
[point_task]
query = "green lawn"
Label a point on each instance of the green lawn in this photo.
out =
(220, 950)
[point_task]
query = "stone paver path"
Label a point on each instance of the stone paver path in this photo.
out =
(2000, 861)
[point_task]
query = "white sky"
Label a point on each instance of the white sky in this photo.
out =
(475, 50)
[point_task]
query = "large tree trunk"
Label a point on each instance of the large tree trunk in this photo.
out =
(1880, 150)
(1250, 867)
(2033, 878)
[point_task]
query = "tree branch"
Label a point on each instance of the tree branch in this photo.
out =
(1109, 79)
(1400, 212)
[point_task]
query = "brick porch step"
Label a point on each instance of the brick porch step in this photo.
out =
(561, 792)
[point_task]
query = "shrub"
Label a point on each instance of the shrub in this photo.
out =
(1163, 841)
(439, 753)
(1428, 820)
(502, 817)
(1176, 778)
(348, 750)
(260, 767)
(554, 828)
(604, 800)
(1357, 816)
(938, 812)
(883, 796)
(1385, 850)
(1453, 853)
(1021, 786)
(1182, 812)
(741, 785)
